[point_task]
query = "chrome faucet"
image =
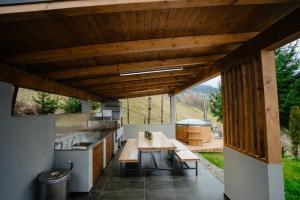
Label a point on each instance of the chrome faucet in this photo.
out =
(58, 143)
(73, 140)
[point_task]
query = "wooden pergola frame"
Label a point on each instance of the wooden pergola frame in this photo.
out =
(245, 59)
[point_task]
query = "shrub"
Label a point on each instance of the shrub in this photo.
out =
(72, 105)
(45, 103)
(294, 129)
(95, 105)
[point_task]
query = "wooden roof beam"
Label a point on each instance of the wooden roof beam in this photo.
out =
(118, 48)
(82, 7)
(137, 88)
(118, 78)
(24, 79)
(141, 94)
(282, 32)
(117, 69)
(129, 84)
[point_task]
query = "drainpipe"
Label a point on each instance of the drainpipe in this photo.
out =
(86, 106)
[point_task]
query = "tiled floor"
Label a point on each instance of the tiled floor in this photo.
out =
(154, 185)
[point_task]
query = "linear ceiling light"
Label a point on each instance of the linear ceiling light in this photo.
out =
(152, 70)
(146, 91)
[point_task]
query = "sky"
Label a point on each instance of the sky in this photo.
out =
(213, 82)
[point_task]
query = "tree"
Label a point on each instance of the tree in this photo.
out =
(215, 103)
(45, 103)
(294, 129)
(287, 71)
(72, 105)
(95, 105)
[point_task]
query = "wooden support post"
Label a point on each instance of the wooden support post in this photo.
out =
(271, 112)
(149, 110)
(127, 111)
(162, 110)
(14, 99)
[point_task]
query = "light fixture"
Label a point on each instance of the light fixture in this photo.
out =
(153, 90)
(152, 70)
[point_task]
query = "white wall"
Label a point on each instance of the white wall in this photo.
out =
(131, 131)
(248, 179)
(26, 149)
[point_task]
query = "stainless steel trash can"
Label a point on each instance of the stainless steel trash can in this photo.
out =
(54, 185)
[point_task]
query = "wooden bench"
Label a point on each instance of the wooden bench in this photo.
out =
(129, 154)
(184, 155)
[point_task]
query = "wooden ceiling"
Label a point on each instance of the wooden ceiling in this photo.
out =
(80, 47)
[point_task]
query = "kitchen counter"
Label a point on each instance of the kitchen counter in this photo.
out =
(93, 136)
(87, 161)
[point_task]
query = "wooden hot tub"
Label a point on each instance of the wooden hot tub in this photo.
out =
(193, 131)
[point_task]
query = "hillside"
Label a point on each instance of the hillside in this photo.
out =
(138, 110)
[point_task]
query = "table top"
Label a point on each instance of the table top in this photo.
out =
(158, 142)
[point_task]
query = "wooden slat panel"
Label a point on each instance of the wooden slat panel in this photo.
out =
(224, 105)
(261, 108)
(257, 117)
(241, 107)
(251, 108)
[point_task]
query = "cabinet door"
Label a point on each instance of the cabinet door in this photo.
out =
(109, 148)
(97, 161)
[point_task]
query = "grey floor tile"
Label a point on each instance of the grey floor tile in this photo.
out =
(85, 196)
(124, 185)
(154, 185)
(178, 194)
(164, 184)
(207, 193)
(125, 195)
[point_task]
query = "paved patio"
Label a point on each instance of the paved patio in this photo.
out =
(154, 185)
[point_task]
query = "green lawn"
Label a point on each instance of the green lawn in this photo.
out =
(291, 171)
(215, 158)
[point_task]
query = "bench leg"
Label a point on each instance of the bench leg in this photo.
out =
(181, 166)
(196, 168)
(173, 163)
(121, 169)
(139, 163)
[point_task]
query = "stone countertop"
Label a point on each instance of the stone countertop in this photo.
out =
(97, 137)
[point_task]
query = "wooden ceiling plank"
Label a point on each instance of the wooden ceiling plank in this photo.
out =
(118, 78)
(137, 88)
(82, 7)
(116, 93)
(24, 79)
(135, 83)
(119, 48)
(115, 69)
(276, 35)
(142, 94)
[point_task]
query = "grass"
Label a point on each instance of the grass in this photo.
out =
(291, 173)
(215, 158)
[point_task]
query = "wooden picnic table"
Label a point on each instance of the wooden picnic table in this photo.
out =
(158, 142)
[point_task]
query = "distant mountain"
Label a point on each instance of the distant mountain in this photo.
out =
(204, 89)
